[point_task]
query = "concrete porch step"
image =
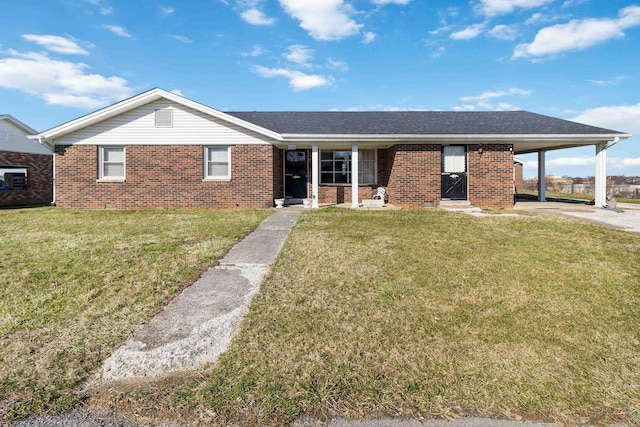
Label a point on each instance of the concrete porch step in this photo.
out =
(458, 206)
(455, 204)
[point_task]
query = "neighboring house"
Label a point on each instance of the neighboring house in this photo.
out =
(518, 176)
(26, 167)
(159, 149)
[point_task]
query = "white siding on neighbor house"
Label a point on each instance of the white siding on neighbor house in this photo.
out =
(137, 127)
(13, 138)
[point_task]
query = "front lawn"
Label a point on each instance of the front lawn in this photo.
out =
(75, 284)
(416, 313)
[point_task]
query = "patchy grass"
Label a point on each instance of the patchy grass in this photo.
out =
(432, 314)
(75, 284)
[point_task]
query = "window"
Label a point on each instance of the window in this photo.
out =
(13, 179)
(112, 163)
(217, 163)
(335, 167)
(164, 118)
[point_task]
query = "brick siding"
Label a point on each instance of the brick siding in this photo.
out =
(491, 176)
(39, 179)
(518, 177)
(160, 176)
(411, 174)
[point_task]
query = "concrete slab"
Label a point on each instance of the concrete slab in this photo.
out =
(197, 326)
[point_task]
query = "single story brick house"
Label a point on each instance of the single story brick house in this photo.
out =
(26, 167)
(159, 149)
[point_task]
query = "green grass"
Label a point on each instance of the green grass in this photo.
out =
(579, 196)
(369, 314)
(75, 284)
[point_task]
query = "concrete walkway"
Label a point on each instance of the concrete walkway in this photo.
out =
(197, 326)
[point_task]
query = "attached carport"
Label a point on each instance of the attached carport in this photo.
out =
(564, 135)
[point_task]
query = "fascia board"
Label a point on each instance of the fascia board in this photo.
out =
(444, 138)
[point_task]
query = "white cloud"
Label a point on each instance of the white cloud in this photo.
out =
(183, 39)
(578, 34)
(439, 52)
(486, 100)
(56, 44)
(255, 52)
(377, 107)
(64, 83)
(492, 8)
(166, 10)
(500, 94)
(504, 32)
(385, 2)
(256, 17)
(118, 31)
(323, 20)
(337, 65)
(299, 55)
(622, 118)
(468, 33)
(570, 3)
(583, 166)
(297, 79)
(106, 10)
(612, 82)
(368, 37)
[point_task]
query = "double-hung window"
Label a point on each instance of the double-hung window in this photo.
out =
(112, 163)
(217, 162)
(335, 167)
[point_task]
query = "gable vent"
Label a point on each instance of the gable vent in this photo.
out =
(164, 118)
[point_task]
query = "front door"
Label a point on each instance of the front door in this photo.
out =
(295, 174)
(454, 172)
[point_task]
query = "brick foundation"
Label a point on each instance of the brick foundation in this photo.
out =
(159, 176)
(39, 179)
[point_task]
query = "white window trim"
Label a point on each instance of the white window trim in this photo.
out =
(206, 164)
(348, 184)
(101, 177)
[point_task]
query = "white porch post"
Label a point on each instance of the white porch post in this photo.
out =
(542, 178)
(601, 175)
(354, 176)
(314, 176)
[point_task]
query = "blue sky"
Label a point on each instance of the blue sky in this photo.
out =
(573, 59)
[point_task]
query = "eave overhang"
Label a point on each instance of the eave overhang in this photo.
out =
(522, 143)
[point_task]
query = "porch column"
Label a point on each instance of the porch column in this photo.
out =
(354, 176)
(314, 176)
(542, 178)
(601, 175)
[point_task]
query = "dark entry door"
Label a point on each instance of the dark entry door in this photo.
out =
(295, 174)
(454, 172)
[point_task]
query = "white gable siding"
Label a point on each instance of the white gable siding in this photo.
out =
(137, 127)
(12, 138)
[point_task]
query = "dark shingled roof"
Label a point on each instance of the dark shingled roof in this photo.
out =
(417, 123)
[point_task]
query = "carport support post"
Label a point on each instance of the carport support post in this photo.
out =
(314, 176)
(542, 178)
(354, 176)
(601, 175)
